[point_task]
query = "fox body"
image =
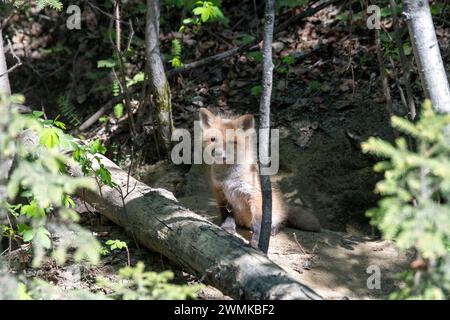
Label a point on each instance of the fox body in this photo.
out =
(235, 177)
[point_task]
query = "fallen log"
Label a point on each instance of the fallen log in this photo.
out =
(159, 222)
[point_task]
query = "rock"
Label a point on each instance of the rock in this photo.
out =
(277, 46)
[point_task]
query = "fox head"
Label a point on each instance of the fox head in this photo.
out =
(228, 141)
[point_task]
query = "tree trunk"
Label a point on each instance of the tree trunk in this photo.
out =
(159, 87)
(5, 88)
(159, 222)
(427, 54)
(264, 126)
(5, 92)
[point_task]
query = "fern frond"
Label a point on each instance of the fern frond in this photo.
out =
(176, 54)
(53, 4)
(68, 110)
(115, 88)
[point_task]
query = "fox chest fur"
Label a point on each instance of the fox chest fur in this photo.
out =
(236, 187)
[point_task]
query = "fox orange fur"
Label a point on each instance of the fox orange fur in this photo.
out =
(236, 185)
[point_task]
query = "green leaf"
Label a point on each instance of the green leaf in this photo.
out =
(118, 110)
(108, 63)
(22, 292)
(104, 175)
(59, 124)
(97, 147)
(28, 235)
(116, 244)
(22, 228)
(256, 90)
(68, 202)
(38, 114)
(244, 40)
(256, 56)
(42, 235)
(32, 210)
(289, 60)
(138, 77)
(50, 137)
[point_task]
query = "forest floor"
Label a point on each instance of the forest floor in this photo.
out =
(325, 102)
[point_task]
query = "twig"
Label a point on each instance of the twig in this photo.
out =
(130, 37)
(442, 20)
(128, 256)
(255, 9)
(117, 23)
(18, 63)
(383, 76)
(9, 240)
(5, 21)
(399, 87)
(404, 62)
(123, 87)
(298, 243)
(104, 12)
(213, 34)
(103, 109)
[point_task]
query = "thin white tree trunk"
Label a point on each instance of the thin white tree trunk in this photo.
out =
(427, 54)
(5, 88)
(264, 126)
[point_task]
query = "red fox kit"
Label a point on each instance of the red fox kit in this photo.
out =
(236, 184)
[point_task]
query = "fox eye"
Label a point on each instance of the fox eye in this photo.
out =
(213, 139)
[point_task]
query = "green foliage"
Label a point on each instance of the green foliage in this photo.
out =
(91, 164)
(116, 244)
(390, 48)
(291, 3)
(314, 85)
(203, 12)
(118, 110)
(39, 176)
(256, 56)
(244, 39)
(137, 78)
(437, 8)
(107, 63)
(53, 4)
(68, 110)
(208, 11)
(176, 54)
(286, 64)
(415, 208)
(256, 90)
(138, 284)
(41, 4)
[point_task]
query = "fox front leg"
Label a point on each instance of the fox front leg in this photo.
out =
(227, 221)
(256, 224)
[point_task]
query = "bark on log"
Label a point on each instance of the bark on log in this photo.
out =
(156, 219)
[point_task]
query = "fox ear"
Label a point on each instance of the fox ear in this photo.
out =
(246, 122)
(206, 118)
